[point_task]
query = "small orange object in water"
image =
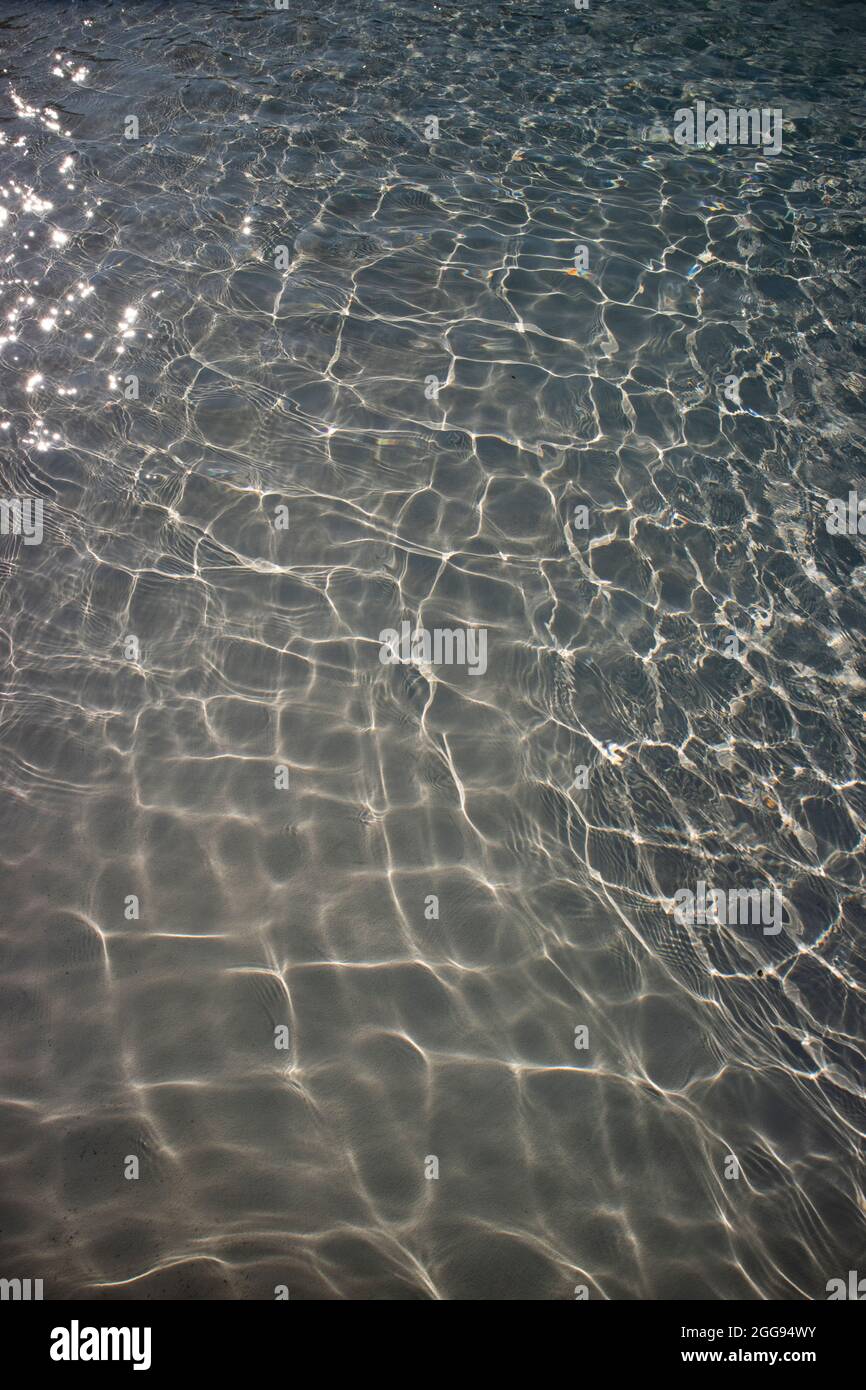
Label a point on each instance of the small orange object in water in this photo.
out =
(572, 272)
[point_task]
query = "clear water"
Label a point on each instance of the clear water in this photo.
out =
(328, 307)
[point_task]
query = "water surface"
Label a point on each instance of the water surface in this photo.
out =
(293, 290)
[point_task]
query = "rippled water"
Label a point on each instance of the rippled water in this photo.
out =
(291, 291)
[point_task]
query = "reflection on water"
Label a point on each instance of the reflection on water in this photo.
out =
(361, 977)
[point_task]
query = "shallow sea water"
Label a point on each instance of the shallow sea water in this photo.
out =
(332, 308)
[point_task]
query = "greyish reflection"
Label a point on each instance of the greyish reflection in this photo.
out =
(432, 619)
